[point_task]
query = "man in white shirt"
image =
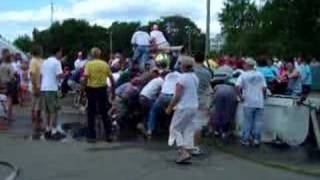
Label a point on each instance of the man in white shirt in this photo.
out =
(80, 62)
(51, 73)
(166, 94)
(152, 89)
(186, 104)
(148, 95)
(141, 43)
(158, 38)
(251, 87)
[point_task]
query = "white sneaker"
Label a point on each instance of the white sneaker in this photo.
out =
(196, 151)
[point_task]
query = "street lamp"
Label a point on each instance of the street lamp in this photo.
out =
(208, 30)
(110, 43)
(189, 31)
(52, 11)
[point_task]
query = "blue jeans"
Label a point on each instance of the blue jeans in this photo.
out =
(145, 105)
(158, 107)
(252, 124)
(141, 55)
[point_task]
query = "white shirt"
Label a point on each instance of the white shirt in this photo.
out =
(140, 38)
(115, 76)
(170, 82)
(79, 63)
(158, 37)
(252, 84)
(49, 71)
(152, 88)
(190, 83)
(16, 66)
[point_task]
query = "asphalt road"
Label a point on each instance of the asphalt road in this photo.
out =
(137, 160)
(126, 161)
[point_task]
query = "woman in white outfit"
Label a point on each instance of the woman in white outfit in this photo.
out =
(185, 103)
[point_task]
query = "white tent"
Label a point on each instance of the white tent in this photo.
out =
(11, 47)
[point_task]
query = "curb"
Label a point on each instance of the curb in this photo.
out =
(271, 164)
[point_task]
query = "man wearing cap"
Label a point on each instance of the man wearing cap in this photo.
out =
(251, 87)
(185, 103)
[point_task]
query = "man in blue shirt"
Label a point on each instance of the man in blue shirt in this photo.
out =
(306, 78)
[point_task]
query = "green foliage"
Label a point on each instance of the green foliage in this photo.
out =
(72, 35)
(23, 43)
(75, 35)
(121, 36)
(279, 27)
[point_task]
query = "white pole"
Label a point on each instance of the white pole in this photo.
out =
(207, 50)
(52, 9)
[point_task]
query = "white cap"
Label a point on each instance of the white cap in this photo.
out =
(250, 61)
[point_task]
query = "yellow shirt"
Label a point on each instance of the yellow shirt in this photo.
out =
(97, 71)
(34, 71)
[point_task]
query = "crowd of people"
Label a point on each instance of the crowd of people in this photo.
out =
(183, 95)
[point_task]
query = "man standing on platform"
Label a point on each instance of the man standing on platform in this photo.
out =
(141, 44)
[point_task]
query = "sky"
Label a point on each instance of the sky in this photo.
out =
(18, 17)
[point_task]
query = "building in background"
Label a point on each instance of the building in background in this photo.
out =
(216, 42)
(6, 44)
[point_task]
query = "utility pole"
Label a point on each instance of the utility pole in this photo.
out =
(189, 39)
(52, 9)
(207, 50)
(110, 43)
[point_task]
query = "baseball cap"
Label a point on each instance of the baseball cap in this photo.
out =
(250, 61)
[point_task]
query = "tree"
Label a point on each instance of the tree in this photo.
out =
(239, 20)
(280, 27)
(73, 36)
(23, 43)
(121, 36)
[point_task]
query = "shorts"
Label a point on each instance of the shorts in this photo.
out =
(201, 119)
(36, 103)
(50, 101)
(24, 87)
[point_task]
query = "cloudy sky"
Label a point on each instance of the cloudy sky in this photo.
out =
(19, 17)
